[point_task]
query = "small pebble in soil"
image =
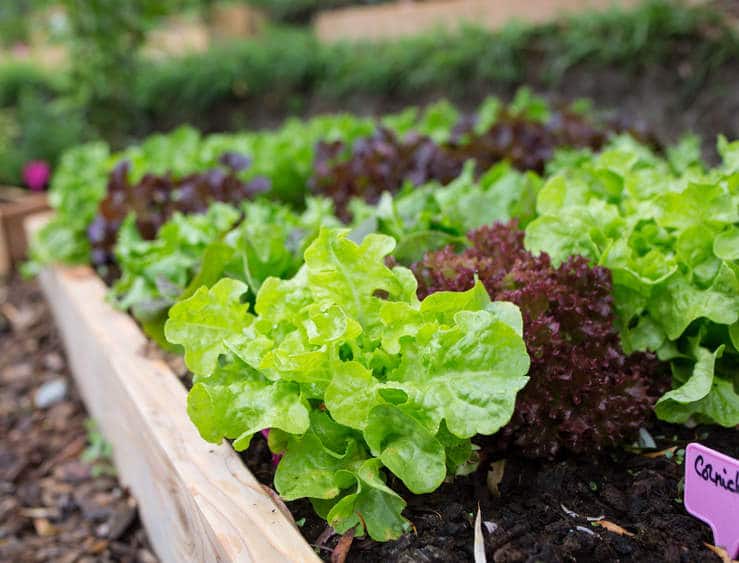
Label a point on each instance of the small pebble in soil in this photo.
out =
(50, 393)
(54, 362)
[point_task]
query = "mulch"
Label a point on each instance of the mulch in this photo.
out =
(53, 505)
(618, 506)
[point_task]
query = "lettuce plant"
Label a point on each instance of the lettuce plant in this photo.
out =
(250, 243)
(353, 374)
(584, 393)
(524, 134)
(76, 188)
(283, 156)
(669, 232)
(431, 216)
(155, 273)
(156, 198)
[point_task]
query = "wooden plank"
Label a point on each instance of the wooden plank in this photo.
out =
(11, 193)
(229, 21)
(404, 18)
(4, 254)
(15, 206)
(198, 501)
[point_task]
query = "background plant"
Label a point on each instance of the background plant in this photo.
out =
(105, 37)
(287, 71)
(37, 128)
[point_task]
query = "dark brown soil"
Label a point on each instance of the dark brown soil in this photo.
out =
(53, 506)
(546, 510)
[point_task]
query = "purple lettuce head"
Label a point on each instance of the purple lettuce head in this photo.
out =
(584, 393)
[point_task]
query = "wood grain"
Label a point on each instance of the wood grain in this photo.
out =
(404, 18)
(15, 206)
(198, 501)
(4, 254)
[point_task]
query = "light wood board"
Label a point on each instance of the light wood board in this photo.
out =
(4, 254)
(15, 206)
(198, 501)
(403, 18)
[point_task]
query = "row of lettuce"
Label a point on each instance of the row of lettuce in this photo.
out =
(377, 294)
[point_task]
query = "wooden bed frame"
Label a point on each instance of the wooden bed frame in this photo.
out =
(198, 501)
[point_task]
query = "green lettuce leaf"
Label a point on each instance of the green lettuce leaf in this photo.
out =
(77, 187)
(209, 324)
(330, 465)
(668, 233)
(357, 375)
(214, 405)
(704, 397)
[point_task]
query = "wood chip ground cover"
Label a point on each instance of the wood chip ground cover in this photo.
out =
(53, 506)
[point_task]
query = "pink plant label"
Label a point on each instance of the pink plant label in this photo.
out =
(712, 494)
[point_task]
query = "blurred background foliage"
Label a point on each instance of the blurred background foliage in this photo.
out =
(302, 11)
(76, 70)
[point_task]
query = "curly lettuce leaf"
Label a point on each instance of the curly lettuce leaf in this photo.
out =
(191, 251)
(77, 187)
(667, 231)
(341, 272)
(209, 324)
(390, 383)
(214, 405)
(284, 156)
(329, 465)
(431, 216)
(167, 262)
(272, 238)
(704, 396)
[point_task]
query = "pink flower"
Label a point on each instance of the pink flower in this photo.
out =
(36, 174)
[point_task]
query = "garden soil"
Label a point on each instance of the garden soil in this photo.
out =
(619, 506)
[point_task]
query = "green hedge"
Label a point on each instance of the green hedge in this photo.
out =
(15, 77)
(286, 69)
(36, 120)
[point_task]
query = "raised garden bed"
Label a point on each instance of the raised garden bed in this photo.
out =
(383, 362)
(15, 205)
(200, 502)
(197, 500)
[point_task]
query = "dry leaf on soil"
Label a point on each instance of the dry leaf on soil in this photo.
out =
(342, 547)
(661, 453)
(721, 552)
(613, 527)
(495, 476)
(479, 549)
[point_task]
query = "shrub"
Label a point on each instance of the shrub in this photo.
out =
(37, 129)
(15, 77)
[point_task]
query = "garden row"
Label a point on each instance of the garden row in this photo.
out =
(374, 296)
(627, 58)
